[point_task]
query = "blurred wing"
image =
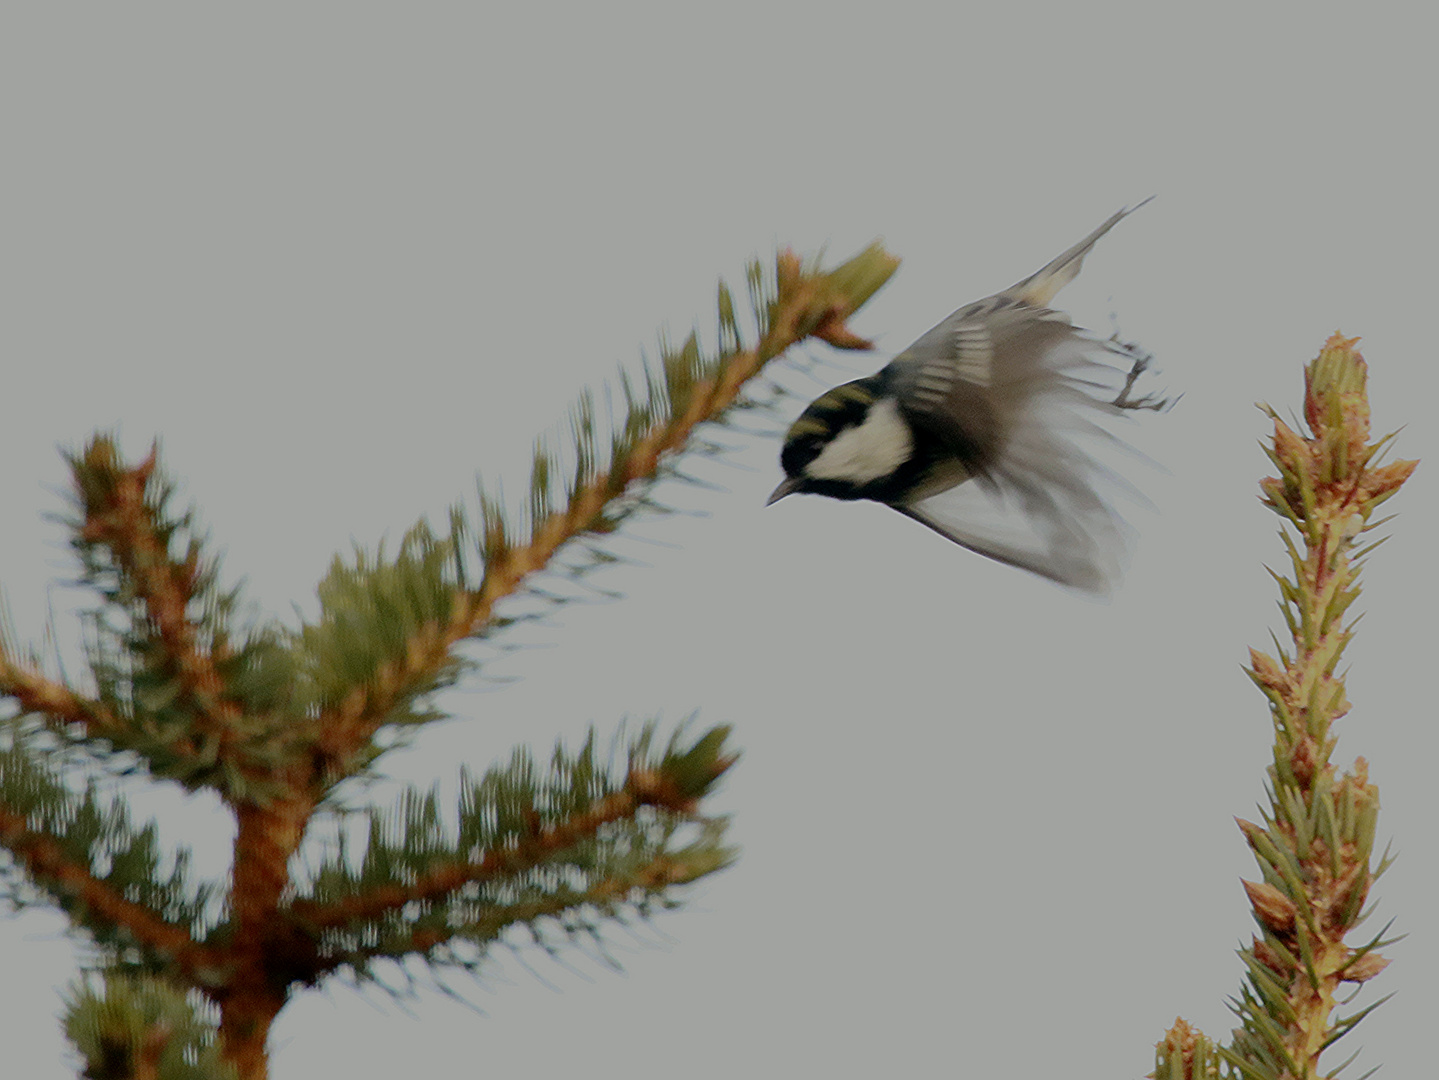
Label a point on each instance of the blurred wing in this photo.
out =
(1045, 500)
(1041, 536)
(1024, 400)
(963, 380)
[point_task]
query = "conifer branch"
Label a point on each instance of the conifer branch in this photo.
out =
(58, 704)
(122, 513)
(496, 918)
(654, 876)
(171, 686)
(526, 847)
(641, 790)
(1315, 845)
(689, 390)
(60, 839)
(804, 305)
(99, 904)
(141, 1028)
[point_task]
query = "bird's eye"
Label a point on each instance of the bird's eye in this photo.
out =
(798, 453)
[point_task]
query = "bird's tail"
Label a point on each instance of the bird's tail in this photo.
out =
(1039, 289)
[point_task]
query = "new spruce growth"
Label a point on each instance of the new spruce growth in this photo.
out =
(1315, 844)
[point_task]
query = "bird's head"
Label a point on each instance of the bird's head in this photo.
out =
(848, 444)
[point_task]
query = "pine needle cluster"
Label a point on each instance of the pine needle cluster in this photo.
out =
(273, 720)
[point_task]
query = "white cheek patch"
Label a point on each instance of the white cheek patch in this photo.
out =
(868, 450)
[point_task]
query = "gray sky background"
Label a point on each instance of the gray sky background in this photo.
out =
(339, 257)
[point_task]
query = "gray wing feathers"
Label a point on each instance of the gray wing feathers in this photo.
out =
(1046, 498)
(1074, 561)
(968, 377)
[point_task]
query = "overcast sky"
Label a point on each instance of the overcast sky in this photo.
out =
(340, 257)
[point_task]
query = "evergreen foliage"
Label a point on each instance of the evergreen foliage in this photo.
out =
(126, 1027)
(272, 719)
(1315, 845)
(54, 827)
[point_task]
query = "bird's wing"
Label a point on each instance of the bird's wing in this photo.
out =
(969, 345)
(966, 380)
(1044, 496)
(1062, 534)
(1022, 397)
(1040, 288)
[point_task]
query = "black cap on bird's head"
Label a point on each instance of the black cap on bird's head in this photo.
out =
(821, 422)
(852, 442)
